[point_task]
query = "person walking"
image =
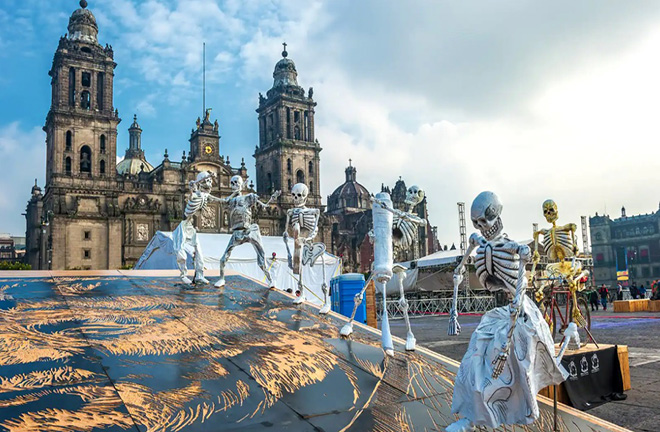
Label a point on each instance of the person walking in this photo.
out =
(593, 299)
(603, 296)
(619, 291)
(633, 291)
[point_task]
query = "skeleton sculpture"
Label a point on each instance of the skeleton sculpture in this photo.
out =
(511, 353)
(243, 230)
(382, 267)
(186, 233)
(560, 247)
(303, 223)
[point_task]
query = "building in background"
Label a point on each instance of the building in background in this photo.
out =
(96, 214)
(627, 244)
(12, 249)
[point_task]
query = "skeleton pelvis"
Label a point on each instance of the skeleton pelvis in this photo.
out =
(310, 253)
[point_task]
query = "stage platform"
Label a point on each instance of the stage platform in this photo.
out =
(138, 351)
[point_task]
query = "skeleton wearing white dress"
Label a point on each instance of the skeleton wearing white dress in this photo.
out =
(186, 234)
(303, 223)
(243, 230)
(511, 353)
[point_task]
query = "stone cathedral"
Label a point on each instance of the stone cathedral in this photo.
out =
(96, 214)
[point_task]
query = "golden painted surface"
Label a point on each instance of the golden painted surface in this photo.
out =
(90, 354)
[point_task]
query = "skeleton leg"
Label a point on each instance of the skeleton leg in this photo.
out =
(357, 300)
(255, 239)
(324, 287)
(571, 332)
(403, 304)
(181, 257)
(199, 264)
(385, 324)
(225, 257)
(462, 425)
(301, 289)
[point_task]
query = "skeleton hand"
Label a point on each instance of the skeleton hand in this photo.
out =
(454, 326)
(536, 257)
(275, 194)
(500, 361)
(372, 236)
(285, 235)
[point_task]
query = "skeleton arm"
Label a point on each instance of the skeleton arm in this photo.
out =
(285, 237)
(223, 200)
(403, 215)
(500, 360)
(454, 326)
(273, 197)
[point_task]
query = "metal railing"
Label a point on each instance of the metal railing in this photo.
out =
(436, 306)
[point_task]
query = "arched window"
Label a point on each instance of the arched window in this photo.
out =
(69, 140)
(269, 182)
(311, 187)
(102, 144)
(102, 167)
(311, 168)
(85, 101)
(296, 132)
(289, 184)
(72, 87)
(85, 159)
(300, 176)
(67, 166)
(289, 166)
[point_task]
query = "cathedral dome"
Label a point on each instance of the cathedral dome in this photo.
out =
(82, 25)
(133, 166)
(285, 73)
(350, 195)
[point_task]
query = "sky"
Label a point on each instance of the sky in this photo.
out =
(531, 100)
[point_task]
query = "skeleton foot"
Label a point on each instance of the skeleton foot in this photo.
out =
(202, 280)
(463, 425)
(410, 342)
(389, 352)
(220, 283)
(186, 280)
(298, 300)
(325, 309)
(346, 331)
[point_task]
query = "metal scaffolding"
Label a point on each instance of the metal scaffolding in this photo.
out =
(436, 306)
(585, 238)
(461, 226)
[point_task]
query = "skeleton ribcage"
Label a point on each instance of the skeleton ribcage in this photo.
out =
(497, 265)
(304, 219)
(561, 247)
(403, 233)
(196, 202)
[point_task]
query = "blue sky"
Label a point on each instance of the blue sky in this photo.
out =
(457, 97)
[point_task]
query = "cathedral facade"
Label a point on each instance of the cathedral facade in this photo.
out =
(96, 214)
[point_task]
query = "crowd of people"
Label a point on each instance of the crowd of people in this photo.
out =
(599, 297)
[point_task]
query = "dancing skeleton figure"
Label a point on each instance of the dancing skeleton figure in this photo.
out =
(186, 234)
(243, 230)
(559, 245)
(303, 223)
(511, 353)
(382, 267)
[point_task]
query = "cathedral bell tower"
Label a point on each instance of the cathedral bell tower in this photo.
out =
(81, 126)
(288, 152)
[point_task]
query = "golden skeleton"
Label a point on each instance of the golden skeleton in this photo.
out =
(561, 249)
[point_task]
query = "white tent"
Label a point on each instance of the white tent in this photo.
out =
(436, 259)
(159, 254)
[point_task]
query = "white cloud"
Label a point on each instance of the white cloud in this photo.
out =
(20, 148)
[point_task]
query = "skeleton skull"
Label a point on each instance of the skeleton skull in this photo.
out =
(485, 214)
(550, 211)
(205, 180)
(236, 183)
(299, 192)
(414, 196)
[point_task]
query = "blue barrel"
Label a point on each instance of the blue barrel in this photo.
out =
(342, 290)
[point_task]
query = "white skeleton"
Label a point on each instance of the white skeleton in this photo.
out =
(186, 233)
(500, 265)
(404, 225)
(243, 230)
(382, 267)
(303, 223)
